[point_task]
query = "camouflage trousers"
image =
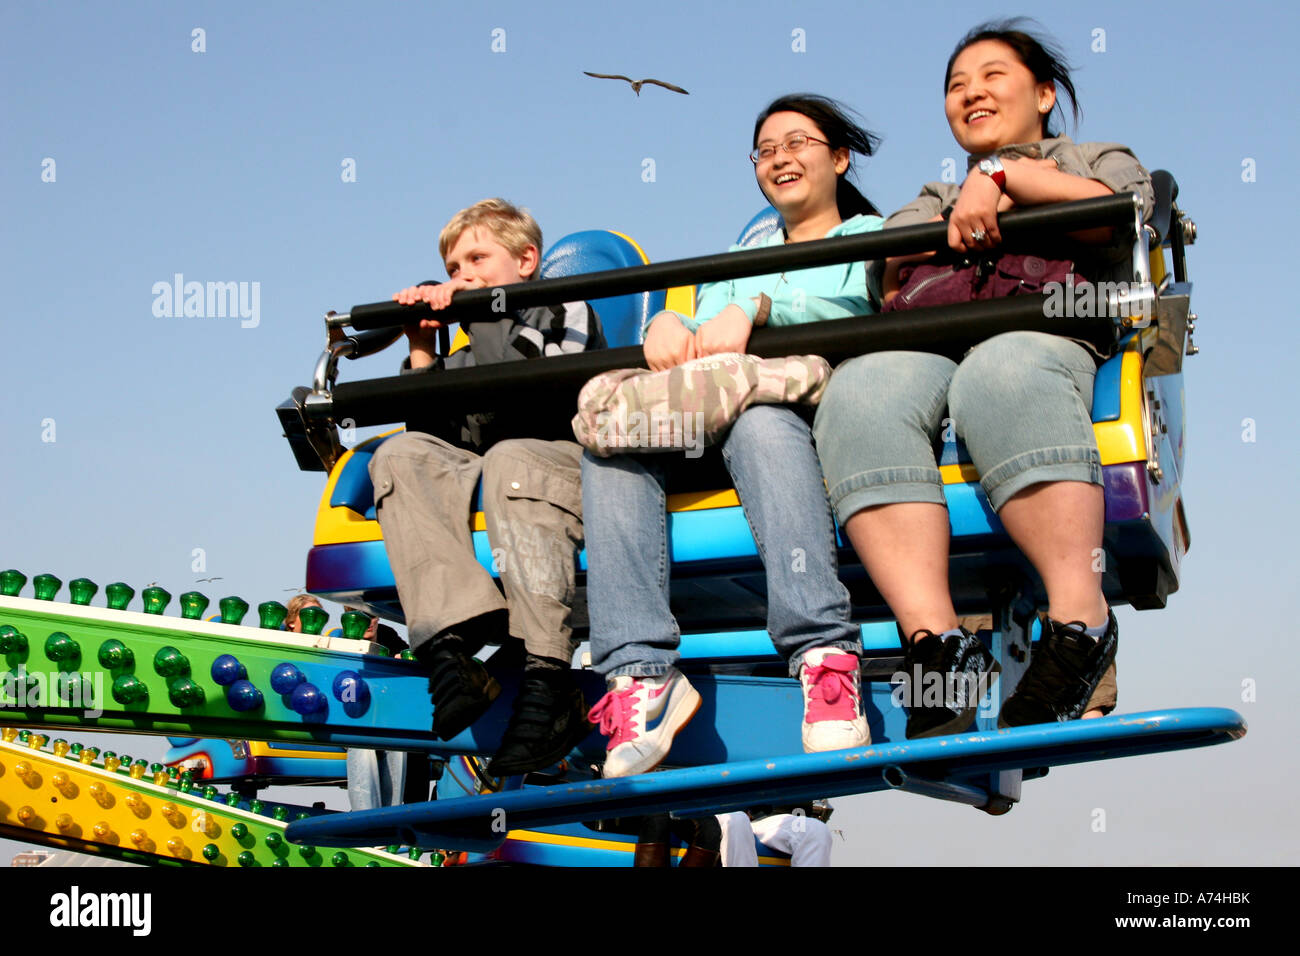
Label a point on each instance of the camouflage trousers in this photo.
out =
(532, 511)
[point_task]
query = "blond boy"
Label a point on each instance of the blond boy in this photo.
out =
(532, 506)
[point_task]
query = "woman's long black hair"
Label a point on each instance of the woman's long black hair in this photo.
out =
(1040, 55)
(833, 119)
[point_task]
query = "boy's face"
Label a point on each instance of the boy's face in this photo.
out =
(479, 259)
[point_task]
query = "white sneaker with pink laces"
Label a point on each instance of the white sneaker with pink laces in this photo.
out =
(832, 701)
(641, 716)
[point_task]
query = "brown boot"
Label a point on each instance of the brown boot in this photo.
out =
(699, 856)
(651, 854)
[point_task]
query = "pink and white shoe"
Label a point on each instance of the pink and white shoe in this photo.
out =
(832, 701)
(641, 716)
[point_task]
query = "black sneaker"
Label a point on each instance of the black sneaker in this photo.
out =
(461, 688)
(944, 682)
(549, 720)
(1066, 667)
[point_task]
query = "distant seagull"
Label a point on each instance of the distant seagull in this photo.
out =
(636, 84)
(201, 580)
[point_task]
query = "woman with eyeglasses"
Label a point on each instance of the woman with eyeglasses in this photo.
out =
(801, 159)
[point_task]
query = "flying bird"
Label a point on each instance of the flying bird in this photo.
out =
(636, 84)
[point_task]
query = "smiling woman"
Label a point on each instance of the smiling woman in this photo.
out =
(801, 154)
(1020, 401)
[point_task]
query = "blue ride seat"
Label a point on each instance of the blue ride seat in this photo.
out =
(597, 250)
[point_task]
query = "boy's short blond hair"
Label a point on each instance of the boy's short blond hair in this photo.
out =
(511, 225)
(296, 604)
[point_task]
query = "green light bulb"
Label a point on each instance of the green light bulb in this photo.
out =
(12, 641)
(75, 690)
(306, 852)
(76, 749)
(114, 654)
(271, 615)
(273, 840)
(46, 586)
(414, 852)
(11, 582)
(124, 763)
(183, 692)
(210, 852)
(373, 863)
(61, 648)
(407, 655)
(280, 861)
(233, 609)
(246, 858)
(155, 600)
(280, 813)
(170, 662)
(339, 859)
(355, 624)
(254, 806)
(82, 589)
(193, 604)
(239, 831)
(232, 799)
(392, 849)
(209, 792)
(118, 595)
(313, 619)
(129, 689)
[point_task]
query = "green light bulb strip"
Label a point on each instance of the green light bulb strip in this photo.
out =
(192, 605)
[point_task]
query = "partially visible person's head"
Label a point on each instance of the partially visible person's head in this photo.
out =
(372, 628)
(809, 175)
(1001, 86)
(492, 243)
(296, 604)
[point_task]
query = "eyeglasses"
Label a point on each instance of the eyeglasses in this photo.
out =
(793, 144)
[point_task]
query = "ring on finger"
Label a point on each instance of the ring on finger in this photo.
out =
(978, 235)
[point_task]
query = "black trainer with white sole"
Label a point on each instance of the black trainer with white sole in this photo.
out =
(1065, 667)
(945, 681)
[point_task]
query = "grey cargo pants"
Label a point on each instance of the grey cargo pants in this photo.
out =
(532, 507)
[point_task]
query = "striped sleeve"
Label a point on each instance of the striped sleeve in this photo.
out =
(559, 330)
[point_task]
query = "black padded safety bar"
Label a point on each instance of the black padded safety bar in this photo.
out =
(487, 304)
(552, 385)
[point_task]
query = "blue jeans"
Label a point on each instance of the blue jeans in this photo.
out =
(1021, 401)
(376, 778)
(773, 464)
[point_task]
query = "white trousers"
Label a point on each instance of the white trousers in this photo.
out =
(805, 839)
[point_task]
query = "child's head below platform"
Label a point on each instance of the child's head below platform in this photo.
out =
(491, 243)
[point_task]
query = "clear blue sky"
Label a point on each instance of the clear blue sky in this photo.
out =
(225, 166)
